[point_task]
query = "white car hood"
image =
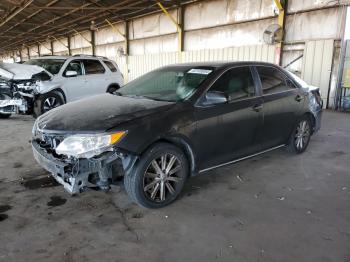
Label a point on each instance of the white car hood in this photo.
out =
(19, 71)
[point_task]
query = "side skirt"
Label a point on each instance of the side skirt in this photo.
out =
(240, 159)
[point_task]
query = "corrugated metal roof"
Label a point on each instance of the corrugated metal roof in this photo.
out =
(27, 22)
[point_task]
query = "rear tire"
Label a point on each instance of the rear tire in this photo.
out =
(300, 137)
(158, 177)
(46, 102)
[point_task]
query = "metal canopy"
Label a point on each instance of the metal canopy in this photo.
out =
(27, 22)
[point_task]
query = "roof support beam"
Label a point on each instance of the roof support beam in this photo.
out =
(178, 26)
(81, 35)
(281, 5)
(115, 29)
(66, 46)
(93, 15)
(41, 44)
(16, 12)
(93, 42)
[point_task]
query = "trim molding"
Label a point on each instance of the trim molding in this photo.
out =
(240, 159)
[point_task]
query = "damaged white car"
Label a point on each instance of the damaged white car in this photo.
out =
(44, 83)
(19, 86)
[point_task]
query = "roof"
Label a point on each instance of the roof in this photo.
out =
(28, 22)
(221, 64)
(66, 57)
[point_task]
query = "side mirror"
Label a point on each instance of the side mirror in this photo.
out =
(71, 73)
(214, 98)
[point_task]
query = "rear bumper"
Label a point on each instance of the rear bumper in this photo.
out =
(74, 174)
(318, 120)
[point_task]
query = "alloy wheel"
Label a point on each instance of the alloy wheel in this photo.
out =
(51, 103)
(302, 135)
(161, 178)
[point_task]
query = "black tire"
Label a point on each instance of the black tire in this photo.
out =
(300, 137)
(112, 89)
(137, 180)
(4, 116)
(41, 105)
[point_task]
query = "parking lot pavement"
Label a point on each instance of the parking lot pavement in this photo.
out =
(274, 207)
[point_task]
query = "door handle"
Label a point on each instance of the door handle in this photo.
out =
(257, 108)
(299, 98)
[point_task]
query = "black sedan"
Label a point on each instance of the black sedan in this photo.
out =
(175, 122)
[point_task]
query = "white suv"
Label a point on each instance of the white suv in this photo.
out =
(62, 79)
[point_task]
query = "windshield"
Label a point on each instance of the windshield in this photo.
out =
(169, 84)
(51, 65)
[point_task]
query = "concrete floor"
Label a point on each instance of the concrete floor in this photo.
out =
(275, 207)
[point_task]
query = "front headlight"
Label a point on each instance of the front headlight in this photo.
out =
(86, 146)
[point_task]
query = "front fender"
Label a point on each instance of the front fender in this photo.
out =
(46, 87)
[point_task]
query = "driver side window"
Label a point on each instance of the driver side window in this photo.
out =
(74, 65)
(236, 84)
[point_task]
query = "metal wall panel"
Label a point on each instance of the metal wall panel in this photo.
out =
(321, 24)
(249, 33)
(205, 13)
(317, 65)
(59, 47)
(77, 41)
(45, 48)
(141, 64)
(85, 51)
(109, 50)
(108, 35)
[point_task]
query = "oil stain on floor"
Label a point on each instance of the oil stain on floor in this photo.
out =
(4, 208)
(3, 217)
(43, 182)
(56, 201)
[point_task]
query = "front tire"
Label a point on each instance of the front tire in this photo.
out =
(112, 89)
(300, 137)
(4, 116)
(46, 102)
(158, 177)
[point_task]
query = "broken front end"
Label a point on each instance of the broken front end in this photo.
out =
(96, 170)
(17, 96)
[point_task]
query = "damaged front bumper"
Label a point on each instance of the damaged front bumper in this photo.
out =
(12, 106)
(76, 175)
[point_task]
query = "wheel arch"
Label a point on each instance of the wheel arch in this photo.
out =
(312, 119)
(57, 90)
(184, 145)
(113, 85)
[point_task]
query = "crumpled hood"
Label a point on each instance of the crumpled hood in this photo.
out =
(98, 113)
(14, 71)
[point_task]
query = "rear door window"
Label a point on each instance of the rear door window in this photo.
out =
(272, 80)
(237, 83)
(93, 67)
(110, 65)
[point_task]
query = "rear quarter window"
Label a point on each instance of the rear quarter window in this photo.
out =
(110, 65)
(272, 80)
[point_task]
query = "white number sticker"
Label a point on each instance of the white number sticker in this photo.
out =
(200, 71)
